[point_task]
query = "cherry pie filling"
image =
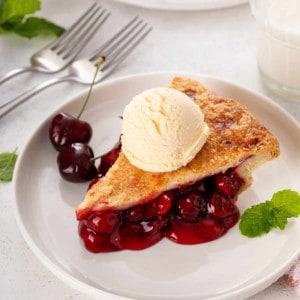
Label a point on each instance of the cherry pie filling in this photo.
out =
(196, 213)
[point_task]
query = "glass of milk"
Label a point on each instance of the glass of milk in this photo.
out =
(278, 44)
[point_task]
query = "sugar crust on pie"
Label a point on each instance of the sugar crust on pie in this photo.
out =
(236, 138)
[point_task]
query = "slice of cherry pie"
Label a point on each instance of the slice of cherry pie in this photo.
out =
(130, 208)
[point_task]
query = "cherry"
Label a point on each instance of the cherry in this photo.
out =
(104, 222)
(75, 163)
(137, 236)
(204, 230)
(108, 159)
(232, 219)
(65, 130)
(190, 206)
(134, 214)
(160, 206)
(96, 243)
(220, 205)
(210, 228)
(229, 182)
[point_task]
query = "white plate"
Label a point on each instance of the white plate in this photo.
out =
(184, 4)
(233, 266)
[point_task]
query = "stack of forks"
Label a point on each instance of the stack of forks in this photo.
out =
(64, 51)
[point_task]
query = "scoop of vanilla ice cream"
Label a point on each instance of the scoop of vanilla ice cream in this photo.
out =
(162, 130)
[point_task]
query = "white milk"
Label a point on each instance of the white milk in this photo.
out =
(278, 43)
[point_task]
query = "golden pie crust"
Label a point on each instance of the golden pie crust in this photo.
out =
(236, 138)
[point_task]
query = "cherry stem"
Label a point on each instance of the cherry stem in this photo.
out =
(99, 63)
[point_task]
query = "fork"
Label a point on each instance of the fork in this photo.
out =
(112, 53)
(59, 53)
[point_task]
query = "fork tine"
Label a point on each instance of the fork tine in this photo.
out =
(120, 45)
(81, 26)
(85, 36)
(124, 49)
(114, 46)
(74, 26)
(117, 36)
(89, 24)
(111, 65)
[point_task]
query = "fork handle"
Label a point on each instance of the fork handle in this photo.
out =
(14, 73)
(13, 103)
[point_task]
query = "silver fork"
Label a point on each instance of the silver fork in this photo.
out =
(59, 53)
(112, 53)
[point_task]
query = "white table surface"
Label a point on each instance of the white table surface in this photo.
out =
(219, 43)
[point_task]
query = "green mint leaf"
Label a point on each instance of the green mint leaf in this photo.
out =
(254, 221)
(261, 218)
(14, 19)
(277, 218)
(7, 164)
(34, 26)
(288, 201)
(10, 9)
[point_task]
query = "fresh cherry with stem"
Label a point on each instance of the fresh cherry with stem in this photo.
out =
(76, 164)
(65, 129)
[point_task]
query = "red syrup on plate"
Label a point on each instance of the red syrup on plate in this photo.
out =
(191, 214)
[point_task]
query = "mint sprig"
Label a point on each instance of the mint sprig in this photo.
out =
(7, 165)
(15, 17)
(261, 218)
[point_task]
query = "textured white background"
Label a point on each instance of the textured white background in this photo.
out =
(219, 43)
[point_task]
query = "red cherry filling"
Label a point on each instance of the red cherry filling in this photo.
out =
(204, 230)
(94, 241)
(105, 222)
(190, 206)
(192, 214)
(220, 205)
(229, 182)
(137, 236)
(160, 206)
